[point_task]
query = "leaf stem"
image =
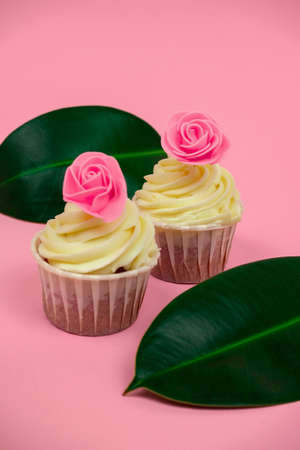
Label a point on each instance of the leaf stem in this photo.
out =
(132, 386)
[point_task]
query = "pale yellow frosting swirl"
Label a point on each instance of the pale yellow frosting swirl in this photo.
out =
(78, 242)
(186, 195)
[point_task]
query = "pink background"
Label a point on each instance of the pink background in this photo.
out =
(239, 62)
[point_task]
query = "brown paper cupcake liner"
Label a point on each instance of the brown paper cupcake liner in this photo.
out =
(191, 255)
(91, 305)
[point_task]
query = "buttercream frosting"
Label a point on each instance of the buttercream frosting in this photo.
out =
(77, 242)
(184, 194)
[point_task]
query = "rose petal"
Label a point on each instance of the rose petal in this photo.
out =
(194, 138)
(190, 116)
(172, 136)
(225, 144)
(112, 209)
(71, 182)
(174, 120)
(197, 145)
(96, 184)
(84, 194)
(101, 178)
(99, 203)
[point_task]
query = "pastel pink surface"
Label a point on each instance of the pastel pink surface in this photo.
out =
(238, 61)
(194, 138)
(95, 182)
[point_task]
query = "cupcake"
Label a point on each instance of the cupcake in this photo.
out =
(192, 200)
(95, 258)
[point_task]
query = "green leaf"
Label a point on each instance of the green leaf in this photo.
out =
(33, 158)
(231, 341)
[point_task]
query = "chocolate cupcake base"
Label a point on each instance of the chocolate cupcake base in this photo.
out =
(191, 255)
(91, 305)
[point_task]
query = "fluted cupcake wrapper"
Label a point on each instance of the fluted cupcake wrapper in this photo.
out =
(91, 305)
(191, 255)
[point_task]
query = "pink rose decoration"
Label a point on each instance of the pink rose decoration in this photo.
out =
(194, 138)
(95, 182)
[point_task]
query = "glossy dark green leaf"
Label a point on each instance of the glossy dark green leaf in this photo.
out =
(233, 340)
(33, 158)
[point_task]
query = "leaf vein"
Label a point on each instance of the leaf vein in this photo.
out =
(227, 348)
(118, 156)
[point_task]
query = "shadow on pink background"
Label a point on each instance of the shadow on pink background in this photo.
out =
(239, 62)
